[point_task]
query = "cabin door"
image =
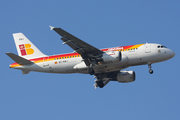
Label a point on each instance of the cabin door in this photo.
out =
(147, 48)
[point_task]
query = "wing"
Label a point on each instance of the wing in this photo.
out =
(88, 52)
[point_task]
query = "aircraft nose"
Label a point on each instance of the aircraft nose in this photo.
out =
(172, 53)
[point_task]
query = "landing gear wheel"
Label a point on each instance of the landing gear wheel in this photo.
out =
(150, 71)
(100, 84)
(91, 71)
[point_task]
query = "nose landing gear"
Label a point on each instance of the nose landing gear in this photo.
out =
(150, 70)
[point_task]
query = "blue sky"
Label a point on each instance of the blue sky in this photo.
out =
(101, 23)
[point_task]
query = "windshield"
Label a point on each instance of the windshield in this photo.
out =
(161, 46)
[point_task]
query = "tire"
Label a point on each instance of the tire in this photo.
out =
(100, 84)
(151, 71)
(91, 71)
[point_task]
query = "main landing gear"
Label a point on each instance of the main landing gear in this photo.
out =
(100, 84)
(90, 70)
(150, 70)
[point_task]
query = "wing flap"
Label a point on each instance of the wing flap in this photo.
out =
(19, 59)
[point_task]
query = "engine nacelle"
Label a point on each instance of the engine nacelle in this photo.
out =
(111, 56)
(126, 76)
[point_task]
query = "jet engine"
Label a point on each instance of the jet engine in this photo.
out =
(126, 76)
(111, 56)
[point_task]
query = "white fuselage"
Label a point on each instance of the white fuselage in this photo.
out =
(147, 53)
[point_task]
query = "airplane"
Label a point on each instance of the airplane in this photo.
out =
(105, 64)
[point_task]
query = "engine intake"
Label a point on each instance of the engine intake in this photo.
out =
(111, 56)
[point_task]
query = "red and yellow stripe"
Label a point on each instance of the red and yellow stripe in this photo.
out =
(74, 55)
(123, 48)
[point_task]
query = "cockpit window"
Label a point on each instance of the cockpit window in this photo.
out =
(161, 47)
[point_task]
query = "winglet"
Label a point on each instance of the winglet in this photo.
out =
(51, 27)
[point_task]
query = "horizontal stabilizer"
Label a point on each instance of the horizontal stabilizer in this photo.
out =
(19, 59)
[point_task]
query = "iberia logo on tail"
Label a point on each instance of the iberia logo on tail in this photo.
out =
(26, 49)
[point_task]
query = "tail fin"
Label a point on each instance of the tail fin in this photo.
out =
(25, 48)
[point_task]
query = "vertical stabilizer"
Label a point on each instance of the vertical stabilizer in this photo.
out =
(25, 47)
